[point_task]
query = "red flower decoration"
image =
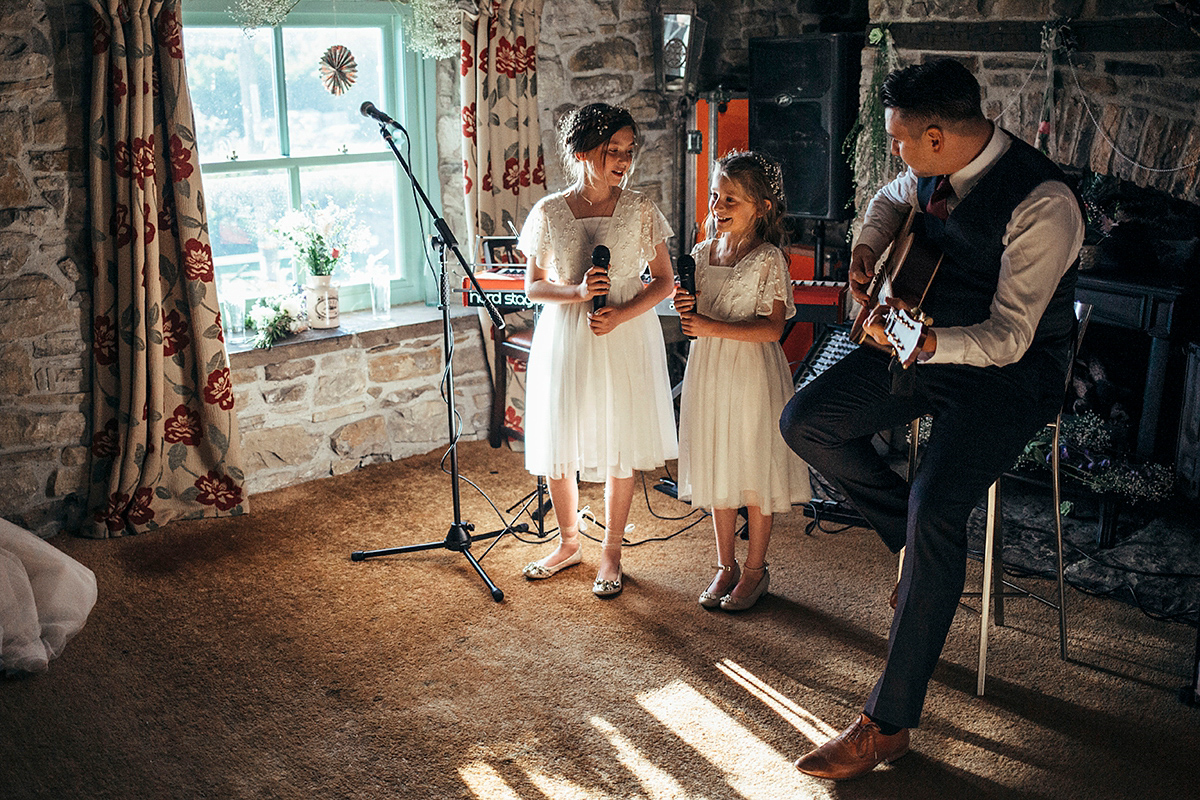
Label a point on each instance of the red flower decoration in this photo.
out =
(139, 511)
(483, 60)
(170, 33)
(166, 215)
(198, 263)
(119, 89)
(104, 340)
(512, 420)
(466, 58)
(148, 230)
(218, 490)
(105, 443)
(468, 122)
(525, 173)
(181, 159)
(122, 159)
(512, 175)
(174, 333)
(184, 427)
(506, 59)
(526, 56)
(120, 227)
(113, 514)
(218, 391)
(485, 183)
(466, 178)
(539, 172)
(143, 160)
(101, 38)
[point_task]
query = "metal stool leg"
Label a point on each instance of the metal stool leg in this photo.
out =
(989, 564)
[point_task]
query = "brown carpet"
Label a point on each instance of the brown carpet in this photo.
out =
(251, 658)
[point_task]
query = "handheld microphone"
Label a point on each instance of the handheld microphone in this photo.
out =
(687, 276)
(600, 257)
(368, 109)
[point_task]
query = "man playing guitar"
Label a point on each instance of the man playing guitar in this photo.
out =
(990, 371)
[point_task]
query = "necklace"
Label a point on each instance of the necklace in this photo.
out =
(591, 204)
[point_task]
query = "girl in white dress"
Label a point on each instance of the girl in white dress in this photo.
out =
(598, 397)
(737, 380)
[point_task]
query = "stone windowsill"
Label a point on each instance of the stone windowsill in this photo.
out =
(356, 329)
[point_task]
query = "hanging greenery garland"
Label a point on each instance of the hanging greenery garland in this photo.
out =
(866, 147)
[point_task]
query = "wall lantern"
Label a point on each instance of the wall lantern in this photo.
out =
(678, 42)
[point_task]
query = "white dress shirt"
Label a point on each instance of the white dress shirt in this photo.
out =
(1041, 241)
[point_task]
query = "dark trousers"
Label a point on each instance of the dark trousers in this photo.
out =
(982, 419)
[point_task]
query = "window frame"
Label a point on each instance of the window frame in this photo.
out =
(409, 95)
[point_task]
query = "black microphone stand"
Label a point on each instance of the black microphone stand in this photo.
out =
(459, 537)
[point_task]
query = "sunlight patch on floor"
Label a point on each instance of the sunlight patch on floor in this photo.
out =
(485, 783)
(752, 768)
(812, 727)
(657, 784)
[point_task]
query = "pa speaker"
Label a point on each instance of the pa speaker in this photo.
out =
(803, 103)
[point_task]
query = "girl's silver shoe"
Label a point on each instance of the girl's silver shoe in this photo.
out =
(711, 599)
(731, 603)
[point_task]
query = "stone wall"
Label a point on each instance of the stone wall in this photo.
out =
(324, 406)
(603, 51)
(45, 385)
(1127, 101)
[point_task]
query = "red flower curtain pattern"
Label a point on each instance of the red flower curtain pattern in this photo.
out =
(503, 169)
(165, 441)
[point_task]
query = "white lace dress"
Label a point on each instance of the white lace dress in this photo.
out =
(596, 405)
(731, 453)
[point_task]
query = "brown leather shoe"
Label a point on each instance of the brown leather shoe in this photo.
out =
(855, 751)
(895, 596)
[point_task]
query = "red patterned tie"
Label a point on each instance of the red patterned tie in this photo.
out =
(937, 201)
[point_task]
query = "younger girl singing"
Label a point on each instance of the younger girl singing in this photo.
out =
(598, 397)
(737, 380)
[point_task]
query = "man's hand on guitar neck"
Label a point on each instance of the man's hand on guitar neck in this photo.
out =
(862, 269)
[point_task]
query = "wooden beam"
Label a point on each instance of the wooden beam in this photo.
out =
(1133, 35)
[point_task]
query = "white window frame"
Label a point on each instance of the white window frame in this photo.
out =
(409, 97)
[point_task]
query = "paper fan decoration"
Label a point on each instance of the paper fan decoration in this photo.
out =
(338, 69)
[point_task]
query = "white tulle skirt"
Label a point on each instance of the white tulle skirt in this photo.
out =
(731, 451)
(597, 405)
(45, 598)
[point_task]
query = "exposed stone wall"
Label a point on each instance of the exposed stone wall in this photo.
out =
(603, 51)
(311, 409)
(45, 388)
(1136, 75)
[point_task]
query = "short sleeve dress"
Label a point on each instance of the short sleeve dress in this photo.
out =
(731, 453)
(596, 405)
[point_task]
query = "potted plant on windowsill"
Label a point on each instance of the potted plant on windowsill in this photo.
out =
(320, 239)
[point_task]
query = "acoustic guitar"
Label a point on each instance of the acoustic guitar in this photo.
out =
(905, 271)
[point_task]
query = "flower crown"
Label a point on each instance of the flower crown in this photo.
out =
(772, 170)
(599, 117)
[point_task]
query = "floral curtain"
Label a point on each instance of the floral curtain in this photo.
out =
(164, 435)
(503, 170)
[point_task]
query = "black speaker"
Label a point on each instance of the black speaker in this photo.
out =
(803, 102)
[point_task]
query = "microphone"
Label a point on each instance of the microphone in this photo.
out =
(368, 109)
(687, 276)
(600, 257)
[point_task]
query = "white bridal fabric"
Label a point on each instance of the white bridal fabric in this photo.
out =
(599, 405)
(731, 451)
(45, 597)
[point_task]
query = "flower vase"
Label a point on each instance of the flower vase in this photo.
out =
(322, 300)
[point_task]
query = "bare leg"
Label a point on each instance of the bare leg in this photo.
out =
(725, 526)
(759, 529)
(564, 495)
(618, 496)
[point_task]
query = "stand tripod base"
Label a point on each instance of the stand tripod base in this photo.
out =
(458, 539)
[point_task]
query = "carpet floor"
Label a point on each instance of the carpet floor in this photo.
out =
(253, 658)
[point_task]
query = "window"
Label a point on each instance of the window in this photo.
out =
(272, 138)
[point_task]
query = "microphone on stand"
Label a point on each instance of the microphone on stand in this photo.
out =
(368, 109)
(600, 257)
(687, 276)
